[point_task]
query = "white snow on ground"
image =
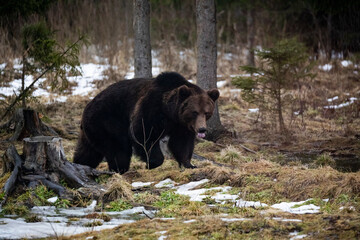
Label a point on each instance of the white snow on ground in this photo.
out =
(55, 222)
(243, 203)
(221, 84)
(166, 183)
(19, 229)
(199, 194)
(53, 199)
(297, 207)
(253, 110)
(327, 67)
(341, 105)
(294, 235)
(285, 219)
(235, 219)
(162, 237)
(333, 99)
(190, 221)
(346, 63)
(141, 184)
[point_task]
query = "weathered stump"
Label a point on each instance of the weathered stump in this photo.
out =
(25, 123)
(44, 162)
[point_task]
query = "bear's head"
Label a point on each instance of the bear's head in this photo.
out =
(194, 107)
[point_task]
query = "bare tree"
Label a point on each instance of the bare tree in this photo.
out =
(250, 25)
(142, 47)
(206, 57)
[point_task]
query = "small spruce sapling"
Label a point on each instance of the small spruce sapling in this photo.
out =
(43, 56)
(280, 69)
(42, 52)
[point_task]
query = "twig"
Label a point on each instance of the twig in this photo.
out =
(143, 145)
(247, 149)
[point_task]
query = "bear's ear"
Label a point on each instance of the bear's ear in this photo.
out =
(213, 94)
(184, 92)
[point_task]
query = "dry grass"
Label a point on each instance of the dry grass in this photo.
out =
(118, 188)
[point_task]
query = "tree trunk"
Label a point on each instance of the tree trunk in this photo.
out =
(206, 57)
(44, 162)
(26, 123)
(250, 24)
(328, 36)
(282, 128)
(142, 47)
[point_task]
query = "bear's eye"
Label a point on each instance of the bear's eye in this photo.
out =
(208, 115)
(195, 114)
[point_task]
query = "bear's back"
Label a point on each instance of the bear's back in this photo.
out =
(168, 81)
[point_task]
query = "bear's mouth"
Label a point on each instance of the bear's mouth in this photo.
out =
(201, 135)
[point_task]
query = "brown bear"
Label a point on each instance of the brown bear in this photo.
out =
(136, 114)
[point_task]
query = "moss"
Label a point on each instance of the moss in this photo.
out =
(93, 224)
(33, 218)
(118, 205)
(15, 209)
(325, 160)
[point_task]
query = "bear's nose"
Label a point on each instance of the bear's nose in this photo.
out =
(202, 130)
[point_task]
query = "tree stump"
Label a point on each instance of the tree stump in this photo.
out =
(44, 162)
(25, 123)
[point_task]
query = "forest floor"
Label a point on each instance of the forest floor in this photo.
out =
(303, 185)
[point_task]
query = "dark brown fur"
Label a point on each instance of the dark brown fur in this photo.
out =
(136, 114)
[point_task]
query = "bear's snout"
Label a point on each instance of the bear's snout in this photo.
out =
(201, 132)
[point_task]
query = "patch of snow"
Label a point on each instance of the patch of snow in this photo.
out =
(19, 229)
(350, 208)
(253, 110)
(333, 99)
(294, 235)
(243, 203)
(235, 90)
(131, 211)
(222, 197)
(234, 219)
(162, 237)
(346, 63)
(351, 101)
(141, 184)
(166, 183)
(190, 221)
(198, 194)
(91, 207)
(42, 210)
(326, 67)
(301, 209)
(285, 219)
(53, 199)
(221, 84)
(165, 219)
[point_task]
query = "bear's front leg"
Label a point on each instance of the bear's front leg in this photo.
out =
(181, 146)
